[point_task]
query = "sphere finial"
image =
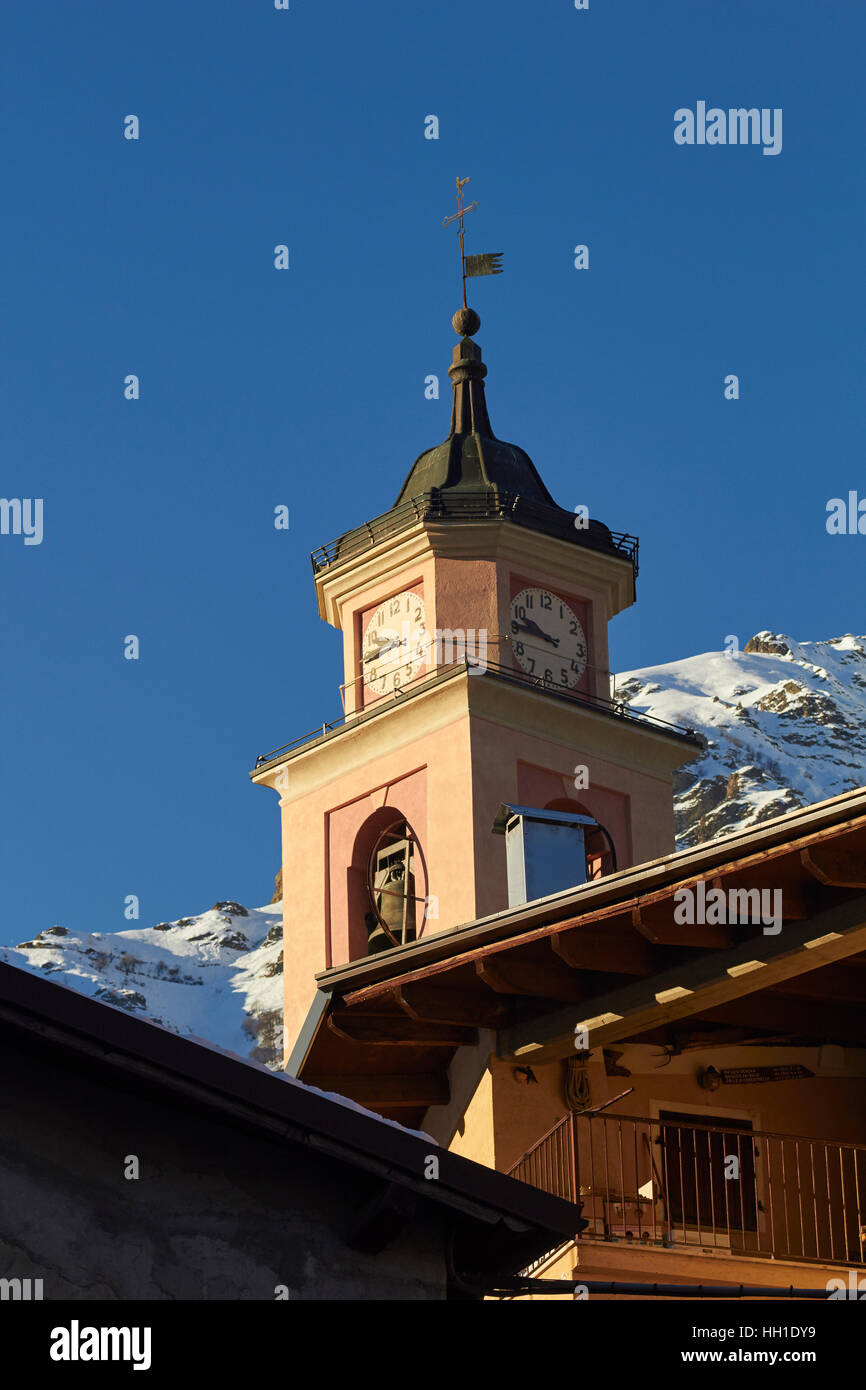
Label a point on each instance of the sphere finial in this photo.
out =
(466, 322)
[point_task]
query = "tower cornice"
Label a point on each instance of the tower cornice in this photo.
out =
(609, 572)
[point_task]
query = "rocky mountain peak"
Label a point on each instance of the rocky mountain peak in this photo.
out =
(785, 724)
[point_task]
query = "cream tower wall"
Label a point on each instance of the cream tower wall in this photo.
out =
(444, 760)
(416, 763)
(450, 750)
(452, 747)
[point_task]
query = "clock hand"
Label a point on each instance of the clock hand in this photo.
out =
(530, 626)
(374, 656)
(384, 647)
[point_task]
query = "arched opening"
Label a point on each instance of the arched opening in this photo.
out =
(600, 849)
(387, 884)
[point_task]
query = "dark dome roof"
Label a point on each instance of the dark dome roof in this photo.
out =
(472, 458)
(472, 475)
(472, 462)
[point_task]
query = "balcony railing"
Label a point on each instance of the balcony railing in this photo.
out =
(677, 1182)
(485, 504)
(616, 709)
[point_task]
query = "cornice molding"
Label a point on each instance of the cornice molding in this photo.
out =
(494, 539)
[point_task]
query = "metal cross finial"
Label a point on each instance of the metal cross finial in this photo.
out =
(458, 217)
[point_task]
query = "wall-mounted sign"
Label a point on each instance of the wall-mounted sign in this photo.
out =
(749, 1076)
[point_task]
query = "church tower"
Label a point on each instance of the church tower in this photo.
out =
(474, 616)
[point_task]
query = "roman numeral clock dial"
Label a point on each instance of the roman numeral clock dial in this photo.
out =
(395, 643)
(547, 638)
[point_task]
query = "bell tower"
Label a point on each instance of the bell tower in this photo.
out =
(474, 615)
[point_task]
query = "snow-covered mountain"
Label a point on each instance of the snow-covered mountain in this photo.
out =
(785, 724)
(216, 976)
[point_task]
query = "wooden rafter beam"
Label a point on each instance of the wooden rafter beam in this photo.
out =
(505, 975)
(610, 949)
(838, 866)
(438, 1004)
(798, 903)
(398, 1030)
(656, 923)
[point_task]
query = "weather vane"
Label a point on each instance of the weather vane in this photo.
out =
(486, 264)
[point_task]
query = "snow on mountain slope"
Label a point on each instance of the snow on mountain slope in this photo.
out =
(216, 976)
(785, 723)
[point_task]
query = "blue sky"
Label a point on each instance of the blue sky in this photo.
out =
(306, 387)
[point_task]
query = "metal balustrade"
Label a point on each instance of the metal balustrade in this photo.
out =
(677, 1182)
(485, 504)
(615, 709)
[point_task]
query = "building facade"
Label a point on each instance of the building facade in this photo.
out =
(487, 929)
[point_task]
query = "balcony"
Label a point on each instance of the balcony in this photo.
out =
(677, 1183)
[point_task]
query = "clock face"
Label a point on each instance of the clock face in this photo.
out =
(547, 638)
(395, 643)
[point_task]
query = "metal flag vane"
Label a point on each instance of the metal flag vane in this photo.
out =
(487, 264)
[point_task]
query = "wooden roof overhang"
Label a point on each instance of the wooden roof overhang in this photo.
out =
(610, 956)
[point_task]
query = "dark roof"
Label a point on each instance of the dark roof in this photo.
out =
(472, 458)
(473, 475)
(509, 1222)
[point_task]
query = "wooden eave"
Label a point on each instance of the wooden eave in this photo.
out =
(611, 956)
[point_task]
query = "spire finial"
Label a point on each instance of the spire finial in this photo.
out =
(458, 217)
(466, 322)
(487, 264)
